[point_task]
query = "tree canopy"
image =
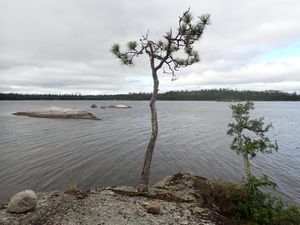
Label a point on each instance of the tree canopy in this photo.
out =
(163, 52)
(195, 95)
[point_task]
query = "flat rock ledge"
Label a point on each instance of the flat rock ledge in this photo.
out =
(120, 205)
(59, 113)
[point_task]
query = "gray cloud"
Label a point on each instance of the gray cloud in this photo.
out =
(63, 46)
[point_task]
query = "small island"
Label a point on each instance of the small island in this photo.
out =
(59, 113)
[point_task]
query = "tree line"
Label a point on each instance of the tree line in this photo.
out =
(197, 95)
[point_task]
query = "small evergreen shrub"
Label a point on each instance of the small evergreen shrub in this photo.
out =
(245, 203)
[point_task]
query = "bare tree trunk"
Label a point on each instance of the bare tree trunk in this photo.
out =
(144, 180)
(247, 166)
(245, 157)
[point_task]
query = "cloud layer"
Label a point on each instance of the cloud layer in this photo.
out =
(53, 46)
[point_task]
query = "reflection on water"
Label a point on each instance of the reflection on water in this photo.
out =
(47, 154)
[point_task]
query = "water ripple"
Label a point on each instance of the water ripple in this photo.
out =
(46, 154)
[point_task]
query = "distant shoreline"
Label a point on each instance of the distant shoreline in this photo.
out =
(222, 95)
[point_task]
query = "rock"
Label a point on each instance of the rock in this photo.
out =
(197, 209)
(93, 106)
(128, 190)
(56, 112)
(78, 194)
(120, 106)
(153, 207)
(164, 182)
(176, 188)
(23, 201)
(107, 192)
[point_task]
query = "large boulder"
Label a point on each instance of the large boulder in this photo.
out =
(23, 201)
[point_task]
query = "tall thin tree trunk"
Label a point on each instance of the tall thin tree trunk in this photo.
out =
(144, 180)
(245, 157)
(247, 166)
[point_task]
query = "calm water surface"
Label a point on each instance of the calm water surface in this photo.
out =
(46, 154)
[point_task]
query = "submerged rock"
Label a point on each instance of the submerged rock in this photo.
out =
(23, 201)
(93, 106)
(57, 112)
(120, 106)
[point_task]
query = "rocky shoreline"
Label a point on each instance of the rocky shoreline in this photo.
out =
(173, 200)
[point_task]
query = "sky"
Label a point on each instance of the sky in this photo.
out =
(63, 46)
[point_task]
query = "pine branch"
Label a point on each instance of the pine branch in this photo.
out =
(162, 52)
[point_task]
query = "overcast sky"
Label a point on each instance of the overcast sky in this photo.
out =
(63, 46)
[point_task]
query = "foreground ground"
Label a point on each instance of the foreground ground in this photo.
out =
(121, 205)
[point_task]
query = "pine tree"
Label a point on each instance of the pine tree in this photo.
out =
(162, 55)
(249, 135)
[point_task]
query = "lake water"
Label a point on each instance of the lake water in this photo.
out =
(46, 154)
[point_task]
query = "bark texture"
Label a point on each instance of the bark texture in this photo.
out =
(247, 166)
(144, 180)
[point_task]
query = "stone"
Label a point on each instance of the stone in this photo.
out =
(93, 106)
(107, 192)
(153, 207)
(23, 201)
(164, 182)
(125, 189)
(178, 187)
(197, 209)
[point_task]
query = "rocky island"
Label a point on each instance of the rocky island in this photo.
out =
(59, 113)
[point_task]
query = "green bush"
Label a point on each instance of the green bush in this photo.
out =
(246, 204)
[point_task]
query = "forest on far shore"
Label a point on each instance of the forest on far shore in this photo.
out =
(197, 95)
